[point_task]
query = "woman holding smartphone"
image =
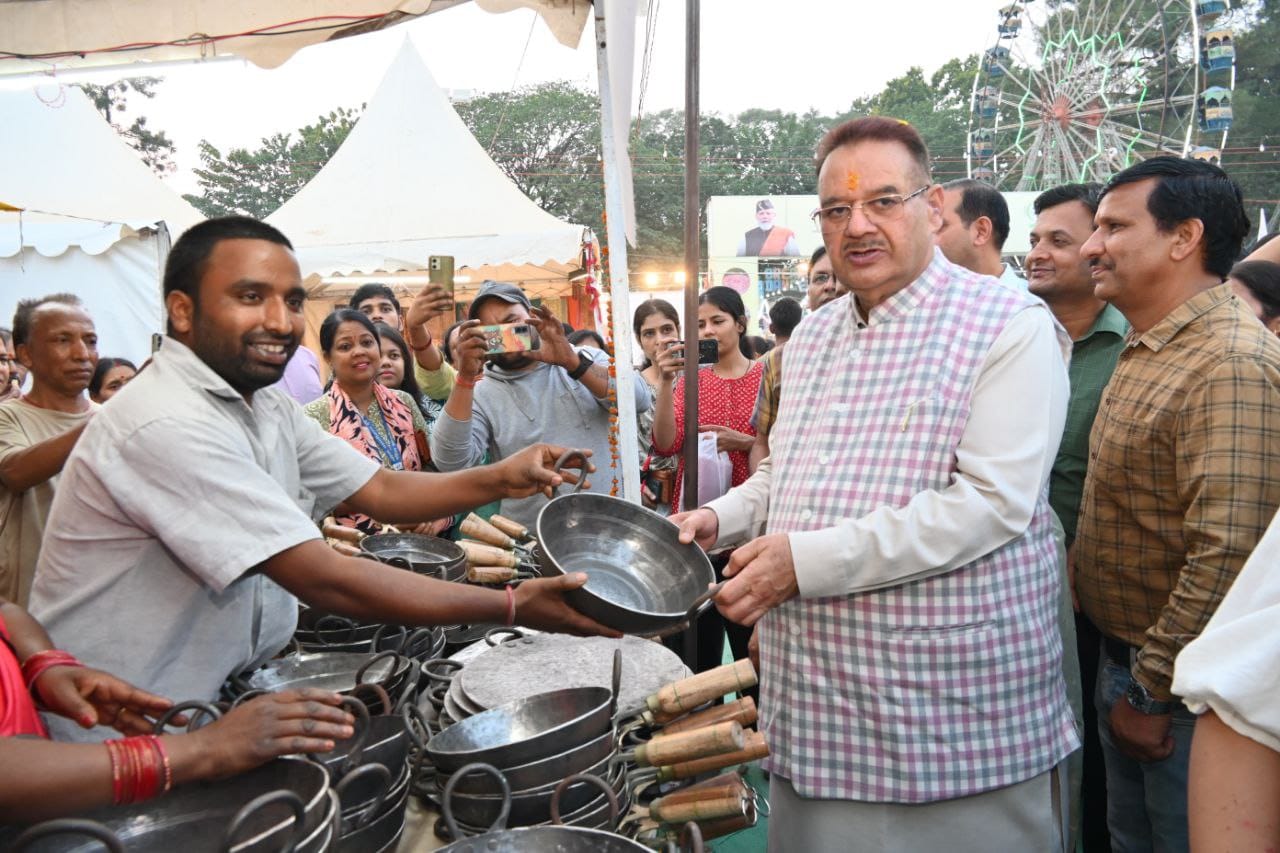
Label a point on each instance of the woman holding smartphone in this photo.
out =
(726, 397)
(657, 329)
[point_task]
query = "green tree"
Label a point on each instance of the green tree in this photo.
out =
(546, 138)
(255, 182)
(153, 146)
(1252, 156)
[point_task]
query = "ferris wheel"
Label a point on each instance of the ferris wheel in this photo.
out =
(1076, 90)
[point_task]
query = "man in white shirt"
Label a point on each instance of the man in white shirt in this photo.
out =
(184, 524)
(975, 224)
(907, 583)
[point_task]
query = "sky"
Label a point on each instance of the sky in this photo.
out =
(803, 54)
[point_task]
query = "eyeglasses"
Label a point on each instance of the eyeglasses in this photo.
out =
(885, 208)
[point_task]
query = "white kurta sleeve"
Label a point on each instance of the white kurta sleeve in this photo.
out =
(1003, 461)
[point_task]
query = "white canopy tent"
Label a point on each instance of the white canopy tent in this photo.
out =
(83, 215)
(411, 181)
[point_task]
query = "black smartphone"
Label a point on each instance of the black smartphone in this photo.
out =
(708, 351)
(156, 340)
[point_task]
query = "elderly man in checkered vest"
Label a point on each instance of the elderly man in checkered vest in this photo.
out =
(906, 586)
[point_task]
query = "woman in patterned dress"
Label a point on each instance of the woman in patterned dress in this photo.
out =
(382, 423)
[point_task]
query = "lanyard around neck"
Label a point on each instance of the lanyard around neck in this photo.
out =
(390, 450)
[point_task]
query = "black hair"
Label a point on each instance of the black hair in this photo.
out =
(728, 301)
(588, 337)
(647, 309)
(784, 316)
(1192, 189)
(818, 254)
(1263, 280)
(979, 199)
(568, 330)
(409, 384)
(103, 367)
(27, 307)
(1086, 194)
(878, 129)
(759, 345)
(445, 348)
(187, 258)
(373, 291)
(338, 316)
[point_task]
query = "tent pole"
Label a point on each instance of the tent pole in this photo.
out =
(692, 245)
(619, 283)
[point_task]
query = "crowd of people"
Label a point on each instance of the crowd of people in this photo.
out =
(987, 531)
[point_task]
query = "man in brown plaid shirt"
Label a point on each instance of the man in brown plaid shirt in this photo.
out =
(1182, 474)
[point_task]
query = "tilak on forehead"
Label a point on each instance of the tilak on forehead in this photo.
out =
(851, 181)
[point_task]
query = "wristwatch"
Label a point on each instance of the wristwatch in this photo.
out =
(1144, 703)
(584, 364)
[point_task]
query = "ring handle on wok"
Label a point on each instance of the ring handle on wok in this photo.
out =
(500, 822)
(253, 693)
(206, 708)
(399, 632)
(395, 664)
(371, 769)
(68, 826)
(560, 463)
(448, 665)
(702, 603)
(341, 623)
(591, 780)
(257, 804)
(358, 739)
(415, 720)
(511, 634)
(379, 692)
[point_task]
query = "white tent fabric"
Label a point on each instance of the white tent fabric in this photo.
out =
(411, 181)
(58, 156)
(120, 288)
(92, 219)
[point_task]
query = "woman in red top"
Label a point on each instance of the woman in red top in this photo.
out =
(726, 390)
(727, 394)
(66, 778)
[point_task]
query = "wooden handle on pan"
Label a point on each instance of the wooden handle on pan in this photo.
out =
(755, 748)
(688, 746)
(514, 529)
(477, 528)
(724, 785)
(705, 809)
(490, 574)
(334, 530)
(684, 696)
(742, 711)
(725, 825)
(479, 554)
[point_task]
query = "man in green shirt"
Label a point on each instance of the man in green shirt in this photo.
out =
(1058, 274)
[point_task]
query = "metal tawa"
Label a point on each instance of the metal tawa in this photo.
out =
(528, 666)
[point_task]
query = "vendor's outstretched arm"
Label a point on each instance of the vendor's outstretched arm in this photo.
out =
(373, 592)
(409, 497)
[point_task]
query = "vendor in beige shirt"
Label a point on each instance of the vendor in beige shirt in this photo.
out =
(54, 337)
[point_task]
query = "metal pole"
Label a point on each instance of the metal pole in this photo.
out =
(619, 284)
(692, 253)
(692, 262)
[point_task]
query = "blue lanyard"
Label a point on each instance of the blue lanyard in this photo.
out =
(390, 451)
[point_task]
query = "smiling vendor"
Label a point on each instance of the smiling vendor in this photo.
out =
(183, 525)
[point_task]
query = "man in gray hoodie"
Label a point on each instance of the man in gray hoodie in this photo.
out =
(557, 390)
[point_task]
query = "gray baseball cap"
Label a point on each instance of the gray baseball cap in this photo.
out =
(501, 290)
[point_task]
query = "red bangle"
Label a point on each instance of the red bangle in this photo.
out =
(140, 769)
(460, 380)
(35, 666)
(511, 605)
(117, 772)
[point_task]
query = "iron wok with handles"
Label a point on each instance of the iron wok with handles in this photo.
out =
(542, 725)
(640, 578)
(537, 839)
